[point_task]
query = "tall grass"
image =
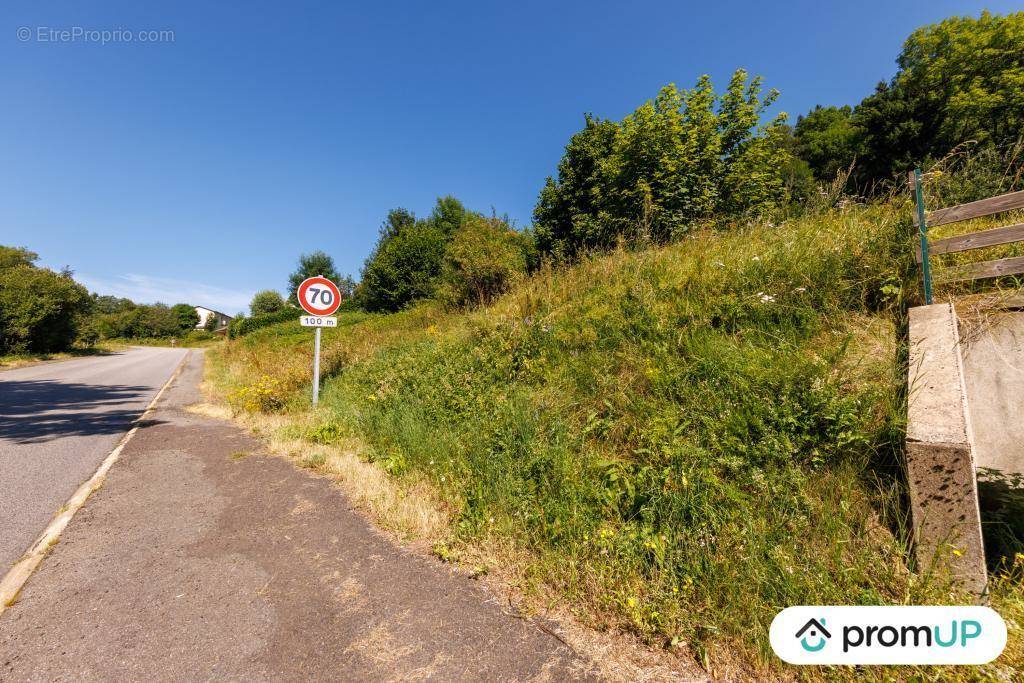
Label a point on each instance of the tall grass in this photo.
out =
(680, 441)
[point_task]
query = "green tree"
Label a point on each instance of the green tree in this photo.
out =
(102, 304)
(666, 165)
(448, 215)
(571, 212)
(186, 316)
(396, 221)
(311, 265)
(403, 267)
(347, 286)
(970, 73)
(827, 140)
(115, 318)
(677, 161)
(407, 260)
(894, 134)
(485, 257)
(265, 302)
(40, 310)
(959, 80)
(16, 256)
(160, 320)
(211, 323)
(753, 156)
(796, 173)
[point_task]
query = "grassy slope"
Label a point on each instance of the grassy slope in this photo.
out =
(680, 441)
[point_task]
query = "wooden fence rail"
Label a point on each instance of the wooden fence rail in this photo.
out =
(977, 240)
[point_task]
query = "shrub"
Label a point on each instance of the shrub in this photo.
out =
(87, 334)
(241, 326)
(484, 259)
(211, 322)
(264, 395)
(198, 336)
(403, 267)
(186, 315)
(684, 159)
(266, 302)
(40, 310)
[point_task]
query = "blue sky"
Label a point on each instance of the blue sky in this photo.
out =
(198, 168)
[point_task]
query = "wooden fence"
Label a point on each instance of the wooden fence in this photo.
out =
(976, 240)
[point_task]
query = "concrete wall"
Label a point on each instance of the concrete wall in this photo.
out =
(940, 450)
(993, 354)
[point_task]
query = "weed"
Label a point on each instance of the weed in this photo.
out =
(680, 441)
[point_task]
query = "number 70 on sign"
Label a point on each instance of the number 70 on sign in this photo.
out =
(319, 297)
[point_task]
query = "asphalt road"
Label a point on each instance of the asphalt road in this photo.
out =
(203, 557)
(58, 421)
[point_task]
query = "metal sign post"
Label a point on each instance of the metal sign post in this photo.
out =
(316, 369)
(319, 297)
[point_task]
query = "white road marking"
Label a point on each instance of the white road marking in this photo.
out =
(20, 572)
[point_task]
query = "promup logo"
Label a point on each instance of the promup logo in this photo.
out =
(817, 633)
(888, 635)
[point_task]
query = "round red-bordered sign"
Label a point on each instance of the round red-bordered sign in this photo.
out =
(318, 296)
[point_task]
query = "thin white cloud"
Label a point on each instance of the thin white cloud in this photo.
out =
(148, 289)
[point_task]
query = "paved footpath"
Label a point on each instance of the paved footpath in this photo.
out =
(191, 565)
(58, 421)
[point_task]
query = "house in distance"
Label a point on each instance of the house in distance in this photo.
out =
(204, 315)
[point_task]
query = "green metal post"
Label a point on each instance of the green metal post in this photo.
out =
(922, 226)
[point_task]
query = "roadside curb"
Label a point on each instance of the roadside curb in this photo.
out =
(18, 575)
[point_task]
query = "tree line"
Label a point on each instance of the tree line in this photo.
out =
(454, 254)
(43, 311)
(958, 81)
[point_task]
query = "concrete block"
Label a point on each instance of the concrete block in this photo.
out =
(940, 450)
(994, 372)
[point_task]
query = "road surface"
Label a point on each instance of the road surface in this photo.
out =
(58, 421)
(202, 557)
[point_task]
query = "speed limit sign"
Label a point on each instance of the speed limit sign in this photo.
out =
(319, 296)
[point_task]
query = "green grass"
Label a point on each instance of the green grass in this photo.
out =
(679, 441)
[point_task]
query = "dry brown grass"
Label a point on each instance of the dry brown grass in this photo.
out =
(411, 511)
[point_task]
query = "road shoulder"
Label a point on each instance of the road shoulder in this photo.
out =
(204, 556)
